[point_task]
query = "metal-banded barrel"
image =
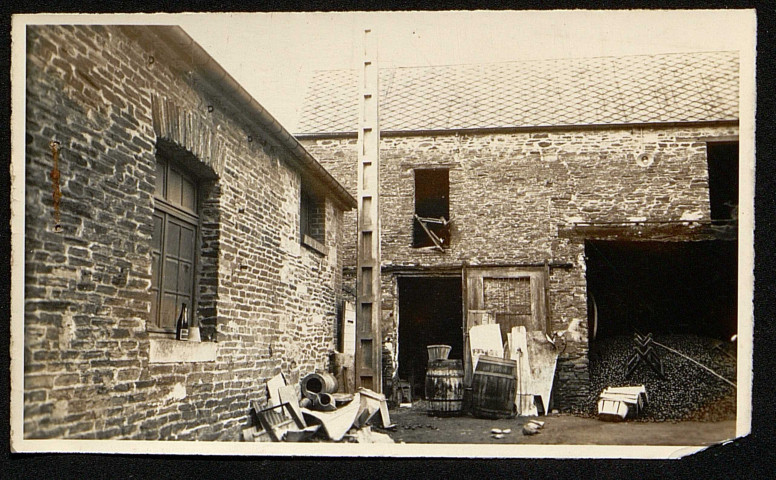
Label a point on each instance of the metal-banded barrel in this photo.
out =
(493, 388)
(444, 387)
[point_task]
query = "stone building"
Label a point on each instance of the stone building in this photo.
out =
(581, 198)
(153, 180)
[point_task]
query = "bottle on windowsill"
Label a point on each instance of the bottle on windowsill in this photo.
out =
(182, 325)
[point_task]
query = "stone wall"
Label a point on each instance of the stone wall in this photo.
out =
(266, 303)
(510, 194)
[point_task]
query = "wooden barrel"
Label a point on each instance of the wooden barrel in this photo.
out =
(493, 388)
(444, 387)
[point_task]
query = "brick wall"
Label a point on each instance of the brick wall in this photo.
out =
(510, 194)
(268, 301)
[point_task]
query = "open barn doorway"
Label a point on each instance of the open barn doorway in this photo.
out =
(662, 288)
(430, 313)
(681, 297)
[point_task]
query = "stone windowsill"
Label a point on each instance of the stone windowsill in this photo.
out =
(313, 244)
(165, 350)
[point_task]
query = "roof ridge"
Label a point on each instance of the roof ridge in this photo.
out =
(549, 59)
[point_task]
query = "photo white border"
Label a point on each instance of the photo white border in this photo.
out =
(746, 20)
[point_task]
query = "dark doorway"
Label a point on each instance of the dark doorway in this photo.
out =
(662, 287)
(429, 314)
(723, 180)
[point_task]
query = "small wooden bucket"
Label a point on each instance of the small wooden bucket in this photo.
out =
(438, 352)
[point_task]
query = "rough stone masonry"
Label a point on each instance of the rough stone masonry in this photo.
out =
(516, 197)
(265, 302)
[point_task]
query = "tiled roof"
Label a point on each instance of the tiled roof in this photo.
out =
(680, 87)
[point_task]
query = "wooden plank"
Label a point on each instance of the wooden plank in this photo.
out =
(544, 359)
(273, 384)
(485, 340)
(518, 350)
(287, 394)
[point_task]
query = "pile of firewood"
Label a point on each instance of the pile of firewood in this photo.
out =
(688, 392)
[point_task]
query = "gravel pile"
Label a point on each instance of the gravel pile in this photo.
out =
(688, 392)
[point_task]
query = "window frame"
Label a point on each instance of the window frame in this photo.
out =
(311, 202)
(420, 239)
(168, 210)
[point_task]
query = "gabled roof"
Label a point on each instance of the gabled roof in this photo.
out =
(642, 89)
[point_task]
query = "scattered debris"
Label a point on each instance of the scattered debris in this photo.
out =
(498, 433)
(373, 403)
(287, 394)
(323, 402)
(532, 427)
(367, 435)
(301, 435)
(275, 420)
(616, 403)
(336, 424)
(342, 398)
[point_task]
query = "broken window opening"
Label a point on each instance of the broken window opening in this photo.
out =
(723, 181)
(431, 220)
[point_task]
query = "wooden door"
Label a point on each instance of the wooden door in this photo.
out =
(508, 296)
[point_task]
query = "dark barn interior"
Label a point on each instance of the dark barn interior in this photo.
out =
(662, 287)
(723, 182)
(429, 314)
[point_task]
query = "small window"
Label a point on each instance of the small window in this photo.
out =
(312, 216)
(723, 180)
(174, 245)
(431, 223)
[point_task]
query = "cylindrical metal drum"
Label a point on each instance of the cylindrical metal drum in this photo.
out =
(493, 388)
(444, 387)
(438, 352)
(322, 382)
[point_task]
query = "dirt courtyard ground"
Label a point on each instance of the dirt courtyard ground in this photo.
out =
(413, 425)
